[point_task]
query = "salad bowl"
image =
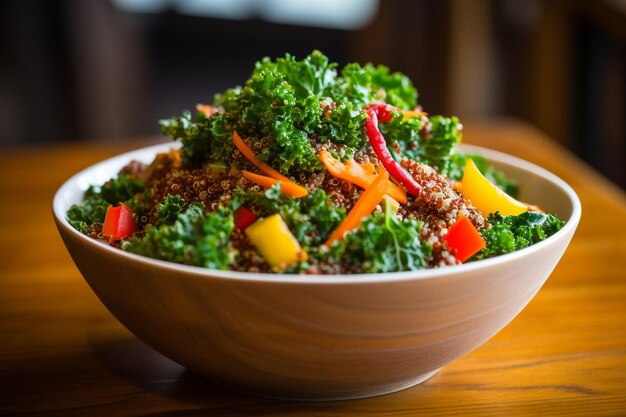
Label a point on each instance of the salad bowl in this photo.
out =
(318, 337)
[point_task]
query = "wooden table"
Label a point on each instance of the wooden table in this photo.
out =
(62, 353)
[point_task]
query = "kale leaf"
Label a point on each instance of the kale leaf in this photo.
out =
(511, 233)
(169, 208)
(310, 219)
(121, 189)
(204, 138)
(195, 238)
(407, 138)
(90, 211)
(383, 243)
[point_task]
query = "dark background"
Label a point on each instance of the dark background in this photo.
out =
(107, 70)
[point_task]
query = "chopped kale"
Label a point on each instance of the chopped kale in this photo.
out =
(121, 189)
(382, 243)
(310, 219)
(195, 238)
(407, 139)
(92, 210)
(204, 139)
(511, 233)
(288, 103)
(169, 208)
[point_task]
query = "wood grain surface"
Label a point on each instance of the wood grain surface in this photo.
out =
(63, 354)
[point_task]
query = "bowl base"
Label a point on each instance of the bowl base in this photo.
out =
(340, 396)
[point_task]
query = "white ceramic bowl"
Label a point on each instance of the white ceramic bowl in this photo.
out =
(318, 337)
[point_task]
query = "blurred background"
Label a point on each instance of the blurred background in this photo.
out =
(108, 69)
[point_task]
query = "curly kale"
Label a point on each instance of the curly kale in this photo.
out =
(121, 189)
(383, 243)
(92, 210)
(407, 138)
(195, 238)
(511, 233)
(362, 85)
(169, 208)
(202, 139)
(310, 219)
(287, 103)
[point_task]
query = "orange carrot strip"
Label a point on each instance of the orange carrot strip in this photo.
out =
(362, 173)
(364, 206)
(358, 174)
(247, 152)
(368, 167)
(207, 109)
(288, 187)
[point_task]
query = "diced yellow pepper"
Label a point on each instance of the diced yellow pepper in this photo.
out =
(486, 196)
(393, 204)
(274, 241)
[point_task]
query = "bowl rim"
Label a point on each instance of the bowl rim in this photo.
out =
(330, 279)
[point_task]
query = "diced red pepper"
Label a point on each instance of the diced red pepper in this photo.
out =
(118, 223)
(463, 239)
(380, 148)
(244, 218)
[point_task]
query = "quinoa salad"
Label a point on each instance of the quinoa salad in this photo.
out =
(313, 170)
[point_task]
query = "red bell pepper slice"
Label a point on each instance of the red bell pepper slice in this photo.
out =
(243, 218)
(463, 239)
(118, 223)
(379, 145)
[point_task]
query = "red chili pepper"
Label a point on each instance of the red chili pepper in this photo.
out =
(243, 218)
(382, 110)
(380, 147)
(463, 239)
(118, 223)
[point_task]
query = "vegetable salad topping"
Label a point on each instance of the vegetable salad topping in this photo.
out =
(308, 169)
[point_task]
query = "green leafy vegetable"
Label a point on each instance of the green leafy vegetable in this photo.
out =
(288, 104)
(511, 233)
(310, 219)
(169, 209)
(195, 238)
(409, 138)
(92, 210)
(383, 243)
(121, 189)
(204, 139)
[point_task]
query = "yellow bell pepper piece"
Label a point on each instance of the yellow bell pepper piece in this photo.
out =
(486, 196)
(274, 241)
(393, 204)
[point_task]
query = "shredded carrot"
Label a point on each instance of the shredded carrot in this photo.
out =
(207, 109)
(364, 206)
(359, 174)
(247, 152)
(288, 187)
(368, 167)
